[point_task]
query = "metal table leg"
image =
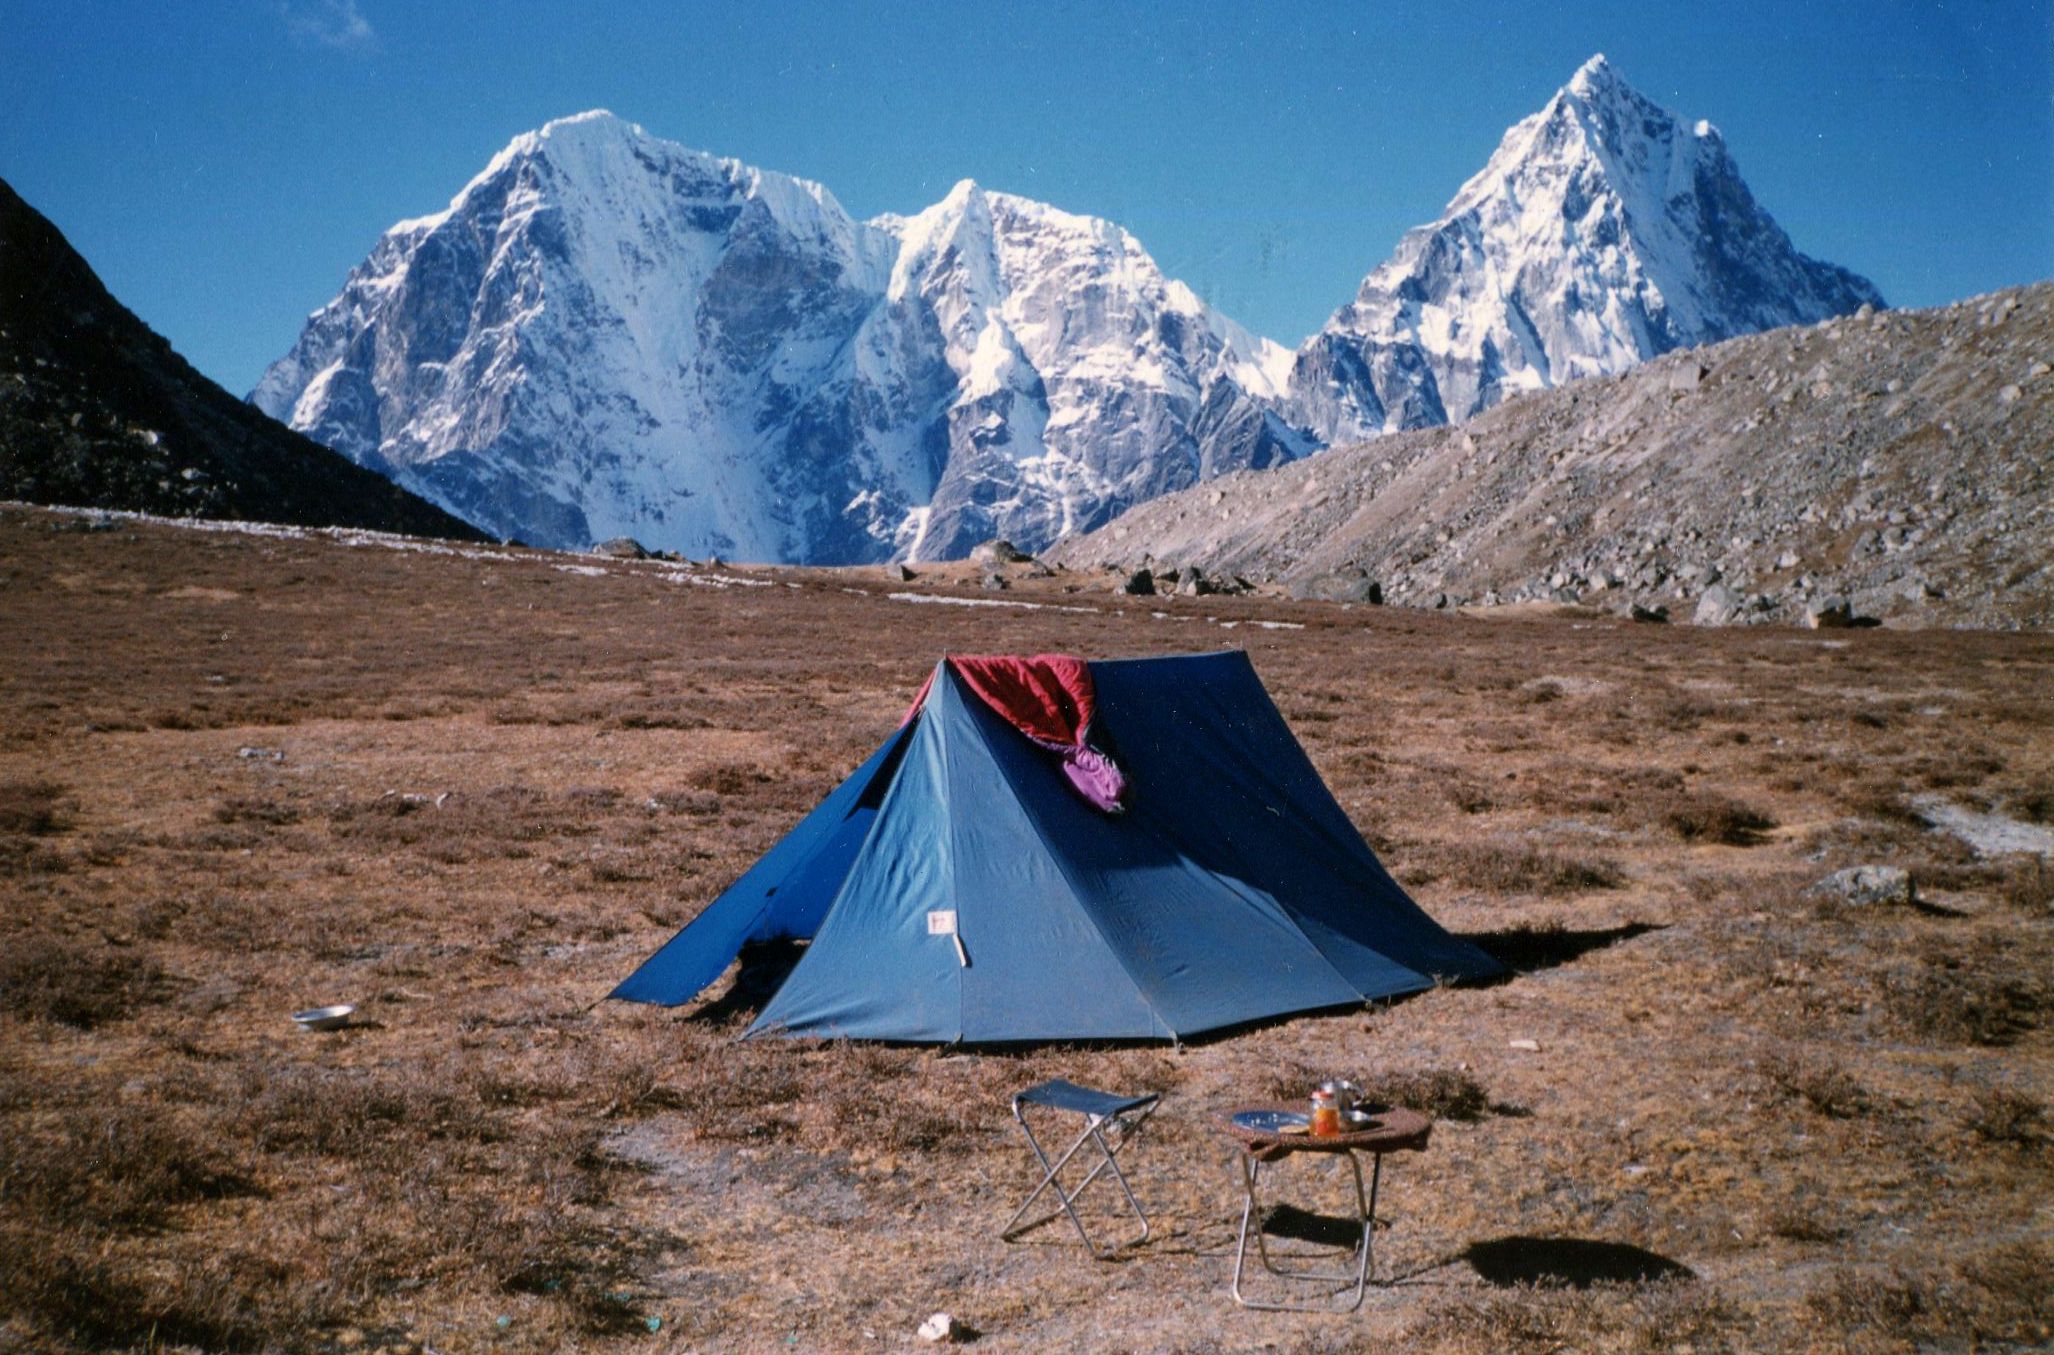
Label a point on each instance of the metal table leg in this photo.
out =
(1365, 1208)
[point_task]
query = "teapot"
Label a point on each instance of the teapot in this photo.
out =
(1347, 1096)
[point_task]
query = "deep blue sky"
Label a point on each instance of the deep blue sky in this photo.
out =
(223, 163)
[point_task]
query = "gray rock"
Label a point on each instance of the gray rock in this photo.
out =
(998, 552)
(1829, 613)
(1688, 376)
(1716, 606)
(1867, 885)
(995, 583)
(1141, 583)
(622, 548)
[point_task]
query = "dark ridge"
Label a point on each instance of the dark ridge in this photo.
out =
(97, 411)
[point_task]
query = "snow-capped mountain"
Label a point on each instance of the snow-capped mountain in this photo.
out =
(1603, 232)
(608, 334)
(1085, 381)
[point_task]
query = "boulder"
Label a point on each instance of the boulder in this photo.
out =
(1863, 886)
(1688, 375)
(906, 574)
(1141, 583)
(1657, 615)
(1829, 613)
(1716, 606)
(998, 552)
(622, 548)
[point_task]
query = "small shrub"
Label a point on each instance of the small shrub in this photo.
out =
(45, 979)
(1821, 1084)
(2009, 1297)
(245, 809)
(1702, 817)
(2005, 1116)
(32, 807)
(1981, 999)
(118, 1166)
(1507, 869)
(1896, 1304)
(727, 778)
(1882, 800)
(1801, 1224)
(1517, 1320)
(1444, 1093)
(2029, 887)
(2035, 805)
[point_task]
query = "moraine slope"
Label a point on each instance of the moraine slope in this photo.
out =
(1898, 459)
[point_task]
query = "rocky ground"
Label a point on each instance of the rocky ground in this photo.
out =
(1893, 465)
(248, 770)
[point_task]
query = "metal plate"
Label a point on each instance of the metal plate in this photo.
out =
(1272, 1122)
(325, 1018)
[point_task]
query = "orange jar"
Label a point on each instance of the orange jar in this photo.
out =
(1326, 1114)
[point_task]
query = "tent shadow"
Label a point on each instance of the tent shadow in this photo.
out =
(1525, 950)
(1574, 1262)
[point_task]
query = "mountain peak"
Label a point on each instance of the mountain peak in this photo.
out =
(592, 128)
(1604, 231)
(1610, 109)
(591, 117)
(1594, 74)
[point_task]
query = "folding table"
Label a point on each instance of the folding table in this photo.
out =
(1263, 1140)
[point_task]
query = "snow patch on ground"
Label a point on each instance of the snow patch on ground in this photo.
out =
(987, 602)
(1989, 834)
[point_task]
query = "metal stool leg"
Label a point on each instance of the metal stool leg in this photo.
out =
(1051, 1172)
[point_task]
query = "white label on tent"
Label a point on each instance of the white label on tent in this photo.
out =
(942, 922)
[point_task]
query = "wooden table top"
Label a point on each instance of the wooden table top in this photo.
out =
(1393, 1129)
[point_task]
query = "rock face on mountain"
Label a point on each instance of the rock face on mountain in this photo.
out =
(97, 411)
(608, 334)
(1602, 233)
(1890, 465)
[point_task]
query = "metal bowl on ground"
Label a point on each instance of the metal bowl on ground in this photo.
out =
(325, 1018)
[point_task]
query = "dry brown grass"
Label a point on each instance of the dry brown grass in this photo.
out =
(477, 792)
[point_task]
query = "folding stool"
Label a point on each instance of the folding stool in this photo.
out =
(1111, 1122)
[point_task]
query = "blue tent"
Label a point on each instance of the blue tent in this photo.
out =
(955, 888)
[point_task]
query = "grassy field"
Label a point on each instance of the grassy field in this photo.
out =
(242, 774)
